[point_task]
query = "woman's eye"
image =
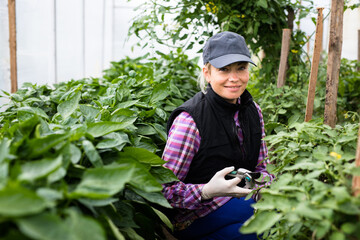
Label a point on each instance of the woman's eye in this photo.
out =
(222, 69)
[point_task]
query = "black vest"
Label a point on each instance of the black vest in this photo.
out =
(220, 147)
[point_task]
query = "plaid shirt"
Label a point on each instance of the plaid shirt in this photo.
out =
(182, 144)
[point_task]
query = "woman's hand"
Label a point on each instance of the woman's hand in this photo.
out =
(218, 186)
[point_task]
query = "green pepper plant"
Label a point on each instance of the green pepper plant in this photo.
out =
(81, 160)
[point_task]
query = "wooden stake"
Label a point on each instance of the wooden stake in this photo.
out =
(334, 60)
(314, 66)
(285, 46)
(356, 179)
(12, 45)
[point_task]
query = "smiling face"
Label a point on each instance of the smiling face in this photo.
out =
(228, 82)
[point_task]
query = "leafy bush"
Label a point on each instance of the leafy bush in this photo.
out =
(186, 23)
(312, 195)
(281, 106)
(81, 161)
(349, 85)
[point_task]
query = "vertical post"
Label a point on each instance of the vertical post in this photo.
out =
(314, 66)
(12, 45)
(334, 60)
(356, 179)
(285, 46)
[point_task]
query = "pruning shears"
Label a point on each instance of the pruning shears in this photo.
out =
(248, 178)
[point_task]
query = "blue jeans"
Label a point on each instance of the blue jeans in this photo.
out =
(222, 224)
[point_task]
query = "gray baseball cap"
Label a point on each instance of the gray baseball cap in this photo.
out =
(225, 48)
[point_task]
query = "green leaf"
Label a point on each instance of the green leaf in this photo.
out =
(97, 202)
(348, 227)
(92, 153)
(337, 236)
(281, 111)
(40, 168)
(306, 210)
(163, 218)
(142, 155)
(331, 132)
(102, 128)
(43, 129)
(160, 131)
(163, 175)
(17, 201)
(154, 197)
(59, 174)
(270, 168)
(33, 110)
(131, 233)
(50, 226)
(125, 105)
(349, 208)
(294, 118)
(89, 112)
(161, 113)
(146, 129)
(323, 228)
(160, 92)
(355, 171)
(39, 146)
(306, 165)
(122, 212)
(115, 229)
(104, 182)
(344, 138)
(260, 222)
(44, 226)
(321, 152)
(113, 140)
(67, 107)
(51, 195)
(4, 173)
(70, 153)
(83, 227)
(4, 149)
(77, 131)
(75, 154)
(143, 180)
(175, 90)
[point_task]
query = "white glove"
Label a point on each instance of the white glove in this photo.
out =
(219, 186)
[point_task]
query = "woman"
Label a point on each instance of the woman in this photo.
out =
(218, 130)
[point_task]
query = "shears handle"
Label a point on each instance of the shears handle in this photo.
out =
(247, 176)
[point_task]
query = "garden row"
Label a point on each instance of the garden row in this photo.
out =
(82, 160)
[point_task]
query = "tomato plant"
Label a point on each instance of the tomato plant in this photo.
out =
(312, 195)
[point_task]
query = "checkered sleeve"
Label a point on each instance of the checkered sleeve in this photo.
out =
(182, 144)
(263, 154)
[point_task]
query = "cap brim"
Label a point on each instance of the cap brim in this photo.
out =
(225, 60)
